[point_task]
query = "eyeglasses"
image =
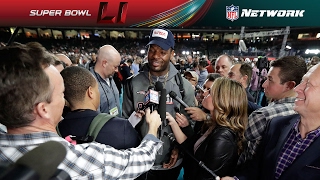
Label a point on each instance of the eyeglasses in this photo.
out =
(207, 91)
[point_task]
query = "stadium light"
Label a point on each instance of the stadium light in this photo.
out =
(142, 51)
(312, 51)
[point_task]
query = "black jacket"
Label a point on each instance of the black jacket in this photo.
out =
(263, 166)
(117, 132)
(219, 152)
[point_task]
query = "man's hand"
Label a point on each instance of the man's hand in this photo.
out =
(140, 113)
(196, 113)
(153, 121)
(173, 159)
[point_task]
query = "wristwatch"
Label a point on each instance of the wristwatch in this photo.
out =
(208, 117)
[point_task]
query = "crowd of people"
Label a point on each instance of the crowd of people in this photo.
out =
(240, 118)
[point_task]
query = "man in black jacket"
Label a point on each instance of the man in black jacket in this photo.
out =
(289, 148)
(82, 93)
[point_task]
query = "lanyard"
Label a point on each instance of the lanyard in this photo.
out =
(104, 90)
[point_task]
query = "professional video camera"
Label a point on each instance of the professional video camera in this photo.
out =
(262, 63)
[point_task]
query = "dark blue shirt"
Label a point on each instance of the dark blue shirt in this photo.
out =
(117, 132)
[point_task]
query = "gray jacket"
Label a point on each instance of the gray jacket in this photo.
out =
(134, 93)
(109, 95)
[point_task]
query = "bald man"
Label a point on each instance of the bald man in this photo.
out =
(64, 59)
(108, 61)
(223, 65)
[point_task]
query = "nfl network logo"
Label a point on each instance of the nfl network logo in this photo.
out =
(232, 12)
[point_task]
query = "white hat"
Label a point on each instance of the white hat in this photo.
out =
(193, 74)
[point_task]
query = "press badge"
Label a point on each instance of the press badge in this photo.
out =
(114, 111)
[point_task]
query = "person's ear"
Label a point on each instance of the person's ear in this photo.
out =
(172, 54)
(104, 63)
(41, 110)
(245, 78)
(290, 85)
(90, 92)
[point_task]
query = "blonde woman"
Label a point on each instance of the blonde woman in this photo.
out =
(219, 142)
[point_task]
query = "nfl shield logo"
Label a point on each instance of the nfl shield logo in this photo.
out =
(232, 12)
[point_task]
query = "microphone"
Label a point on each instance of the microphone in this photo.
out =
(175, 97)
(40, 163)
(159, 86)
(242, 46)
(60, 175)
(151, 98)
(200, 163)
(199, 88)
(162, 108)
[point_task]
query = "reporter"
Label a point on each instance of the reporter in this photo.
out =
(199, 113)
(31, 104)
(218, 143)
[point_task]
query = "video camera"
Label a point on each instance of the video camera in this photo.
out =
(262, 63)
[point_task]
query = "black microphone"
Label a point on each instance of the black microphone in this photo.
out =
(162, 108)
(200, 163)
(158, 86)
(175, 97)
(38, 164)
(151, 98)
(60, 175)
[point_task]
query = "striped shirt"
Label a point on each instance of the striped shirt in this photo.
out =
(294, 147)
(89, 160)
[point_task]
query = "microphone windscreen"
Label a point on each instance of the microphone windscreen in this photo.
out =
(158, 86)
(243, 46)
(44, 159)
(162, 104)
(173, 94)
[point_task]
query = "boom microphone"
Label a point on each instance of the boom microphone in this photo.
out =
(242, 46)
(175, 97)
(39, 163)
(200, 163)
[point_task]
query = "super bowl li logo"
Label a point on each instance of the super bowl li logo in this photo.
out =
(232, 12)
